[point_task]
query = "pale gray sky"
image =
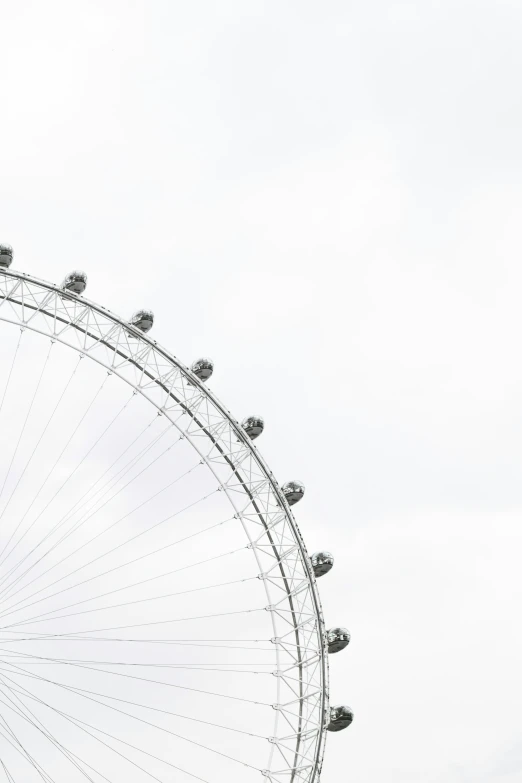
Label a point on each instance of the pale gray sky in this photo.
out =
(326, 198)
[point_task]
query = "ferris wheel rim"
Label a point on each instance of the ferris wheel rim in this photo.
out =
(320, 647)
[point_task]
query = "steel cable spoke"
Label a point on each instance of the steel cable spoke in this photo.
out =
(39, 726)
(15, 452)
(15, 742)
(133, 538)
(133, 562)
(85, 519)
(157, 682)
(154, 709)
(161, 622)
(77, 721)
(57, 461)
(42, 637)
(6, 772)
(34, 722)
(20, 562)
(62, 395)
(63, 520)
(152, 578)
(42, 618)
(78, 466)
(153, 725)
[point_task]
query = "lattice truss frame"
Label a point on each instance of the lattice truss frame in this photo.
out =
(222, 444)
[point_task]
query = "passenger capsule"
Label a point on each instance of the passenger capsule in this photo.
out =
(293, 491)
(6, 256)
(322, 562)
(76, 282)
(338, 639)
(143, 320)
(203, 368)
(340, 718)
(253, 426)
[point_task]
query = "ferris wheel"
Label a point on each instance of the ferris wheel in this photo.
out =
(159, 613)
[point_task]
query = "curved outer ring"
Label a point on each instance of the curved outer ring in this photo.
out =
(238, 467)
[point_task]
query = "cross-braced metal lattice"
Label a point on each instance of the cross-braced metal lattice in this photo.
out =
(297, 746)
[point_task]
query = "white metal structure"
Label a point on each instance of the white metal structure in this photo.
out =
(100, 566)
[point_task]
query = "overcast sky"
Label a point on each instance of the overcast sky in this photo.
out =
(326, 198)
